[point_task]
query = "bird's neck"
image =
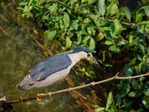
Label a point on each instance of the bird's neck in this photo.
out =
(76, 57)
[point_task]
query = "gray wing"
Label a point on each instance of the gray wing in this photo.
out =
(51, 65)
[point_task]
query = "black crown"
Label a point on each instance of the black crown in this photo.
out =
(78, 49)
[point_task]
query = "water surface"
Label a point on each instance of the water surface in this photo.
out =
(18, 53)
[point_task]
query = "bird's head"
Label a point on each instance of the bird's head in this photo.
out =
(85, 53)
(27, 83)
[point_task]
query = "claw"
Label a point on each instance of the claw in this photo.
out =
(39, 95)
(21, 99)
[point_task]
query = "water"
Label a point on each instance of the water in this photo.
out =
(18, 54)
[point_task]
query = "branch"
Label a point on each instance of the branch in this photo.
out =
(132, 77)
(4, 31)
(39, 96)
(4, 18)
(48, 52)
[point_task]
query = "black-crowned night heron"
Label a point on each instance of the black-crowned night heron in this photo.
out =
(54, 68)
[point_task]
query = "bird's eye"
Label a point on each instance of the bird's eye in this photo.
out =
(31, 84)
(88, 55)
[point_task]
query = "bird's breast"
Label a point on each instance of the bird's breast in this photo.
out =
(53, 78)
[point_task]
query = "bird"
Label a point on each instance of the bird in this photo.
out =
(54, 68)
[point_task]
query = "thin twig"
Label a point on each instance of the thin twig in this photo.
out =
(116, 77)
(4, 31)
(43, 48)
(4, 18)
(132, 77)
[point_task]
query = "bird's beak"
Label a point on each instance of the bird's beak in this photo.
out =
(94, 61)
(19, 87)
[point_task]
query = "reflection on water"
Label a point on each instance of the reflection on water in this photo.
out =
(17, 55)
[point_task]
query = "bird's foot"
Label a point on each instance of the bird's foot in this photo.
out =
(39, 96)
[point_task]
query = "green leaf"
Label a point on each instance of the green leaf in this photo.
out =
(146, 9)
(127, 13)
(114, 49)
(132, 94)
(128, 70)
(112, 9)
(145, 101)
(146, 92)
(109, 101)
(68, 42)
(131, 39)
(107, 65)
(101, 7)
(27, 11)
(79, 37)
(85, 40)
(117, 27)
(139, 16)
(53, 9)
(100, 36)
(91, 2)
(92, 44)
(91, 30)
(135, 84)
(99, 109)
(66, 20)
(83, 1)
(107, 42)
(49, 35)
(106, 28)
(118, 99)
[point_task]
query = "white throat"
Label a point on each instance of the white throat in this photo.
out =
(76, 57)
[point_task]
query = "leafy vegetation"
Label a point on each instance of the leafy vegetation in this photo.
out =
(110, 105)
(118, 34)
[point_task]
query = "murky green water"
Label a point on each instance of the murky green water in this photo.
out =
(18, 54)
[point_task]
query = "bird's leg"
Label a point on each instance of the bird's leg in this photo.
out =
(39, 95)
(21, 99)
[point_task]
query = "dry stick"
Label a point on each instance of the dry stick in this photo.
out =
(4, 31)
(131, 77)
(4, 18)
(116, 77)
(43, 48)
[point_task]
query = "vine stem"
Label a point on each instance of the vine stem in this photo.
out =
(41, 95)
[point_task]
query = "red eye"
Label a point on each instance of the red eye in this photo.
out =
(88, 55)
